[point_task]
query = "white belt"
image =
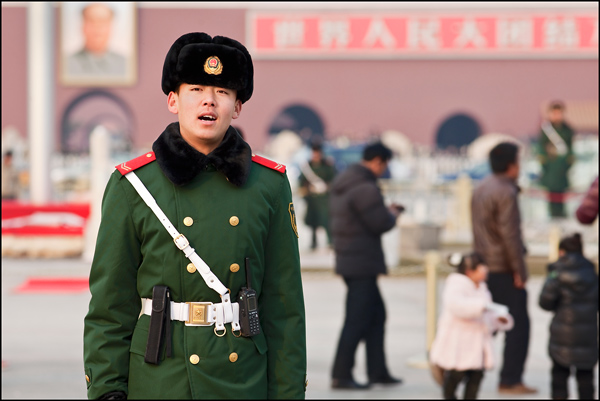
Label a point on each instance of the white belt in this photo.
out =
(200, 313)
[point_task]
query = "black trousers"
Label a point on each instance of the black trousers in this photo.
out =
(516, 341)
(452, 378)
(313, 244)
(560, 378)
(365, 320)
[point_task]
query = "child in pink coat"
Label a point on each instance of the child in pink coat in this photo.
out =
(462, 347)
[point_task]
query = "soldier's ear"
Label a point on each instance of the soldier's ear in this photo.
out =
(237, 109)
(173, 102)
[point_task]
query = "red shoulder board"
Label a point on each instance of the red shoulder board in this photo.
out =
(136, 163)
(268, 163)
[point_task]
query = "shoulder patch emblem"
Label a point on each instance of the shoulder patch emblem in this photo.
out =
(268, 163)
(136, 163)
(293, 218)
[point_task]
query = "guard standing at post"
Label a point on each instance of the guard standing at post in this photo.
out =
(556, 157)
(195, 283)
(315, 177)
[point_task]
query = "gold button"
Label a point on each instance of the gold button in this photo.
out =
(234, 221)
(194, 359)
(234, 267)
(188, 221)
(191, 268)
(148, 154)
(233, 357)
(87, 378)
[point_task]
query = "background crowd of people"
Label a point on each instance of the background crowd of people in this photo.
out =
(488, 291)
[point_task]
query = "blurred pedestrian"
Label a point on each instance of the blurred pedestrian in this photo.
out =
(571, 292)
(315, 178)
(10, 177)
(195, 283)
(587, 212)
(556, 157)
(497, 236)
(358, 219)
(463, 343)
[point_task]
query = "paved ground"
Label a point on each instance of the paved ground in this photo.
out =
(42, 336)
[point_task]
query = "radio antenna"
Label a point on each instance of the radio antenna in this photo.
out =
(248, 273)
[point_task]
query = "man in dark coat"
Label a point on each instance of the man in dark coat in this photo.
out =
(571, 292)
(358, 219)
(315, 178)
(496, 224)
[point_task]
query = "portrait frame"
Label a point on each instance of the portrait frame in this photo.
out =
(116, 65)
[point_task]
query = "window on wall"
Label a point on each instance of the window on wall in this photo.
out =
(457, 131)
(89, 110)
(301, 119)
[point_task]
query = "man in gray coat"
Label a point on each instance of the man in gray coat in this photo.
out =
(358, 219)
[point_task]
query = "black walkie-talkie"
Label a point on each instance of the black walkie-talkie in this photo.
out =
(249, 322)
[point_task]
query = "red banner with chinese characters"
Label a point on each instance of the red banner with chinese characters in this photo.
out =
(405, 35)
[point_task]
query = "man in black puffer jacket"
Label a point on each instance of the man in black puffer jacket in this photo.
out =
(571, 291)
(358, 219)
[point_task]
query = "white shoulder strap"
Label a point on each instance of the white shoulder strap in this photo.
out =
(555, 138)
(180, 241)
(318, 184)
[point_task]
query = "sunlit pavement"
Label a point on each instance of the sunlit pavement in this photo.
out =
(42, 336)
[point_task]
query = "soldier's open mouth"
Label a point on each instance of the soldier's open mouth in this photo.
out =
(207, 118)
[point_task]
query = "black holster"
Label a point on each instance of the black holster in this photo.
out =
(160, 324)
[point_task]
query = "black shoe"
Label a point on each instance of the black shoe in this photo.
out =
(348, 384)
(389, 380)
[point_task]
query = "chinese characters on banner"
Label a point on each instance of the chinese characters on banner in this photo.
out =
(283, 35)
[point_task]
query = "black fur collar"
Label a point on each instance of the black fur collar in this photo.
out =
(181, 162)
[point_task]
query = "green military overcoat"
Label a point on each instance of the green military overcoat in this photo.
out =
(229, 207)
(317, 204)
(555, 168)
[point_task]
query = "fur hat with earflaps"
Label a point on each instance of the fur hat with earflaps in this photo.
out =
(198, 59)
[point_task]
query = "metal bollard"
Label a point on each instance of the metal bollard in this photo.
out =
(553, 241)
(432, 260)
(99, 158)
(463, 192)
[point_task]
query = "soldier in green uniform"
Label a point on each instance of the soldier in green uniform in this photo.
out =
(227, 215)
(315, 177)
(556, 157)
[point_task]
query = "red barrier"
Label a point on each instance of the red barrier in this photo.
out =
(54, 285)
(58, 219)
(557, 197)
(12, 209)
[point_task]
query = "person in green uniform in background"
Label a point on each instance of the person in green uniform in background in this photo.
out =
(231, 209)
(315, 177)
(556, 157)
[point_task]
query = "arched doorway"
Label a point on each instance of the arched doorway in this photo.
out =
(301, 119)
(89, 110)
(457, 131)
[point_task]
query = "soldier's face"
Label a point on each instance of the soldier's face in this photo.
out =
(205, 113)
(555, 116)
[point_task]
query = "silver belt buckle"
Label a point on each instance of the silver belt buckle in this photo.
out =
(198, 314)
